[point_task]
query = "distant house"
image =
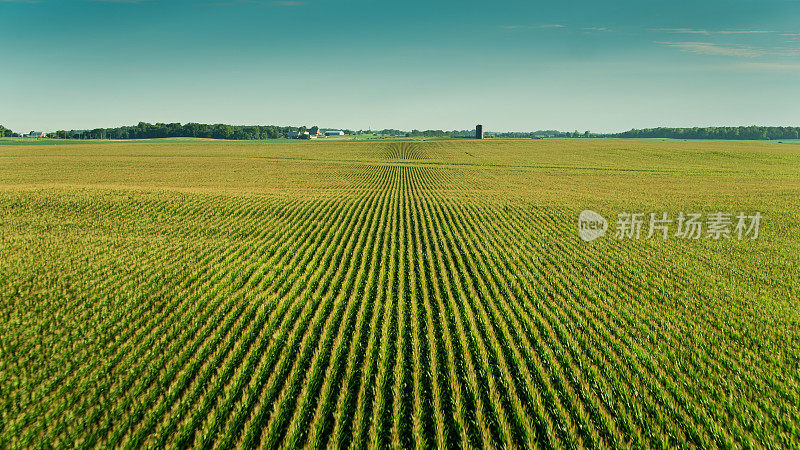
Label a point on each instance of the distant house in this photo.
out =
(301, 134)
(37, 134)
(334, 133)
(312, 133)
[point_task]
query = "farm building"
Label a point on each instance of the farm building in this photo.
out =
(334, 133)
(37, 134)
(301, 134)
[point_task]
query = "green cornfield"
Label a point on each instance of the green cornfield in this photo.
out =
(395, 294)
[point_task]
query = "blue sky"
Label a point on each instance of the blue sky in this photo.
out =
(511, 65)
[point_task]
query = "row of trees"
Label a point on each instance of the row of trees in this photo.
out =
(166, 130)
(5, 132)
(255, 132)
(421, 133)
(752, 132)
(544, 134)
(471, 134)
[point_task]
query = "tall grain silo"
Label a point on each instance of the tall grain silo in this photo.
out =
(479, 132)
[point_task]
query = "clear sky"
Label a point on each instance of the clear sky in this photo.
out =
(358, 64)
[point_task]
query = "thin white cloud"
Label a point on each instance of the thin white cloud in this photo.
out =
(536, 27)
(772, 67)
(785, 51)
(742, 32)
(255, 2)
(707, 32)
(709, 48)
(604, 29)
(680, 30)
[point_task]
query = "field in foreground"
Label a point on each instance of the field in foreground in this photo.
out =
(394, 294)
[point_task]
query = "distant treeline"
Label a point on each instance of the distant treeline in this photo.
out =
(471, 134)
(256, 132)
(543, 134)
(423, 133)
(5, 132)
(166, 130)
(748, 133)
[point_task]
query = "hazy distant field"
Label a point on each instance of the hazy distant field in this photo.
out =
(394, 294)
